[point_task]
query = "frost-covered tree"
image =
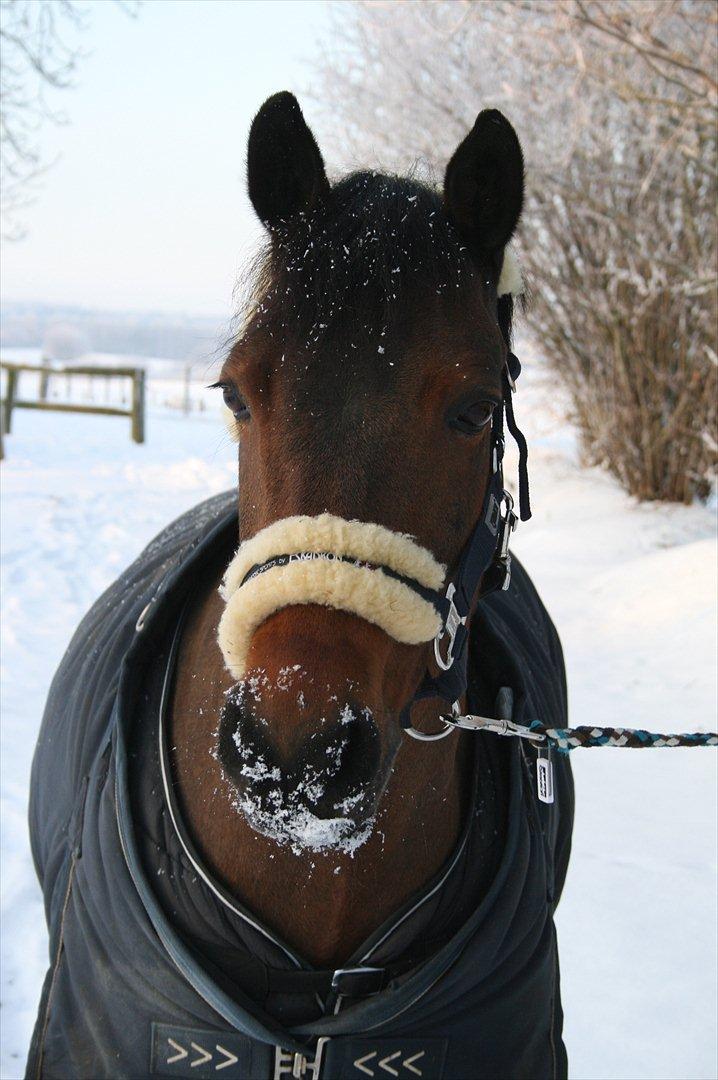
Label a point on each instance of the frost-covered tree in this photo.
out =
(615, 102)
(39, 55)
(64, 341)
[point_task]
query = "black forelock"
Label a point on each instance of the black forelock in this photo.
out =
(372, 254)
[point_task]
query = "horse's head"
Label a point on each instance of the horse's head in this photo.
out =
(362, 389)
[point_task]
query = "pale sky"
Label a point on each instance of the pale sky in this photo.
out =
(146, 208)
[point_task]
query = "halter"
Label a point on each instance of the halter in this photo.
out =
(485, 565)
(382, 576)
(389, 567)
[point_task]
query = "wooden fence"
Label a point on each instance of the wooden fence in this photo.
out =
(11, 401)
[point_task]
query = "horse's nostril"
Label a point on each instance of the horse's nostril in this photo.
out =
(347, 744)
(331, 777)
(244, 748)
(345, 757)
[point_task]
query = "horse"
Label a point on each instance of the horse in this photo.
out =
(249, 864)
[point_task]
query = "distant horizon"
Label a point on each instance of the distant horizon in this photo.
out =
(40, 325)
(92, 309)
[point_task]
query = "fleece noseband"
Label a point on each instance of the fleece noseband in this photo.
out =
(382, 576)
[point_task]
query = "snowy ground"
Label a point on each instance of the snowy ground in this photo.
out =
(633, 592)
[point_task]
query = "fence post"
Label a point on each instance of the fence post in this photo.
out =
(10, 394)
(186, 401)
(138, 406)
(44, 379)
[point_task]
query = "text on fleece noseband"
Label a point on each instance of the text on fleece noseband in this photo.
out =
(380, 575)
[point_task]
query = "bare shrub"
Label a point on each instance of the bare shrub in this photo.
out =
(615, 102)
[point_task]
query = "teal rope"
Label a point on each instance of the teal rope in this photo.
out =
(567, 739)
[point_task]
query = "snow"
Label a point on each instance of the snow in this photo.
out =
(632, 589)
(79, 502)
(291, 823)
(284, 809)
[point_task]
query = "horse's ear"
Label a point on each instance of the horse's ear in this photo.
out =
(285, 170)
(484, 182)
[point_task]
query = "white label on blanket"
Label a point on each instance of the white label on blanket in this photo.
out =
(544, 779)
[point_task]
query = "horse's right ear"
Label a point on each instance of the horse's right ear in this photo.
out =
(484, 182)
(285, 170)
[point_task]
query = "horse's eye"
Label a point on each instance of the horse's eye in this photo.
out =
(473, 417)
(234, 401)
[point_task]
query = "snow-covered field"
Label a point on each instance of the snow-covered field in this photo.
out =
(171, 384)
(633, 592)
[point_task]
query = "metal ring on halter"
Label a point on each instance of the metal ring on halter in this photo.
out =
(448, 728)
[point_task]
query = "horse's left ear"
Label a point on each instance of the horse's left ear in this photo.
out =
(484, 182)
(285, 170)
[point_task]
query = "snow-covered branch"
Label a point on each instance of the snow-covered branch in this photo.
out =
(615, 103)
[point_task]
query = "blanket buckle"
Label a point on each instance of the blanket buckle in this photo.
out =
(298, 1065)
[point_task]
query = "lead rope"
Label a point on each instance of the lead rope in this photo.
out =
(566, 739)
(546, 739)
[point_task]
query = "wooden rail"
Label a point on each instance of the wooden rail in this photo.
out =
(11, 401)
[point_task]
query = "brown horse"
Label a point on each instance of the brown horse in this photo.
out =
(374, 327)
(367, 391)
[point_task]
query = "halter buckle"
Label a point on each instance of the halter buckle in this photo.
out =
(497, 453)
(509, 521)
(450, 630)
(471, 722)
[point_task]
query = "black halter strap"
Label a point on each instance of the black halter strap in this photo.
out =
(511, 374)
(485, 563)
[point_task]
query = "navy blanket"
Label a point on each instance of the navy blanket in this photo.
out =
(127, 995)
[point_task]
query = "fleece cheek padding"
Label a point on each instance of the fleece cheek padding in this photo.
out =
(372, 595)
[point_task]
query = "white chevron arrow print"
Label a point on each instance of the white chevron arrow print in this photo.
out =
(408, 1063)
(360, 1063)
(181, 1052)
(383, 1064)
(206, 1055)
(231, 1058)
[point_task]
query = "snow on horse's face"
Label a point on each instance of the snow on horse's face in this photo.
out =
(362, 386)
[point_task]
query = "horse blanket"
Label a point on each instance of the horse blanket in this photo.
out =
(133, 990)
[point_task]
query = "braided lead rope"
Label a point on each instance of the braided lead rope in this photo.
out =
(567, 739)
